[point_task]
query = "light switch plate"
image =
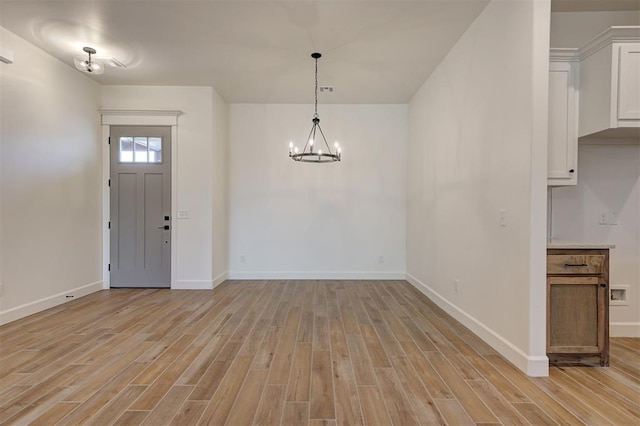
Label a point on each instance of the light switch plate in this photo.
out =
(503, 218)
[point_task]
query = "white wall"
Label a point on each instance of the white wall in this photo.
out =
(477, 145)
(200, 188)
(50, 182)
(609, 182)
(575, 29)
(220, 189)
(306, 220)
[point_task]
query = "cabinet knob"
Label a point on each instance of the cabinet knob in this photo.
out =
(603, 285)
(572, 171)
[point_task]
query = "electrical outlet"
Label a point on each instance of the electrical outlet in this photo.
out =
(602, 219)
(608, 218)
(380, 259)
(455, 285)
(183, 214)
(618, 295)
(242, 258)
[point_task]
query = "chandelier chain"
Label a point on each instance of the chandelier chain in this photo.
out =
(316, 105)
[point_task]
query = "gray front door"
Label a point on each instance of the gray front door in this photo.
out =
(140, 206)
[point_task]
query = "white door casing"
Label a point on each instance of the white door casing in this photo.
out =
(118, 117)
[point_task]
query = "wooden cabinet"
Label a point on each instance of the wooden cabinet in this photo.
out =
(577, 304)
(609, 84)
(562, 152)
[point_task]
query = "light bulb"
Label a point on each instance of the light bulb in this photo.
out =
(295, 149)
(339, 150)
(336, 144)
(81, 63)
(311, 142)
(319, 152)
(290, 145)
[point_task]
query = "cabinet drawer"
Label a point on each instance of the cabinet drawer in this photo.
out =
(575, 264)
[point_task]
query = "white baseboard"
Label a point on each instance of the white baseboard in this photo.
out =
(219, 279)
(47, 302)
(314, 275)
(624, 329)
(192, 285)
(535, 366)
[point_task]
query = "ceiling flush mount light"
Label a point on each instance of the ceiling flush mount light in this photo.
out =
(89, 65)
(312, 153)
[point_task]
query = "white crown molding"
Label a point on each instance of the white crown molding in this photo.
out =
(141, 117)
(564, 55)
(608, 37)
(138, 112)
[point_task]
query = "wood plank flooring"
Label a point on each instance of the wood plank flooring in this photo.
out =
(290, 353)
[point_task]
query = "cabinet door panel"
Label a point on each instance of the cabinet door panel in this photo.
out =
(562, 142)
(574, 315)
(629, 83)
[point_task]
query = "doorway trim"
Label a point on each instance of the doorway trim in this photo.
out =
(138, 117)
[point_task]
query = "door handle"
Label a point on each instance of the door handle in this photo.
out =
(165, 227)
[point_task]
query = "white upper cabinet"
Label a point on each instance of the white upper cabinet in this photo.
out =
(610, 84)
(562, 149)
(593, 92)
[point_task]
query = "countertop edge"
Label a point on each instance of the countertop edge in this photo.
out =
(570, 245)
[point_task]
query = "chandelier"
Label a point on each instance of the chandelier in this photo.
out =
(311, 153)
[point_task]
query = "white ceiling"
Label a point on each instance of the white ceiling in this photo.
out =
(258, 51)
(254, 51)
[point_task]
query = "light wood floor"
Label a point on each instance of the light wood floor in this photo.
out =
(312, 353)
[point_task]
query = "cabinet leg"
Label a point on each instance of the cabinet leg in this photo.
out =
(604, 360)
